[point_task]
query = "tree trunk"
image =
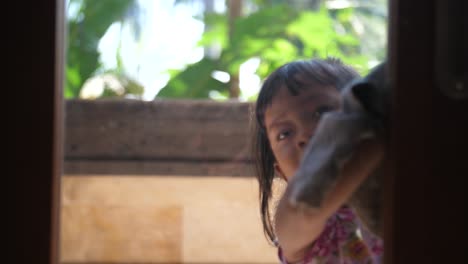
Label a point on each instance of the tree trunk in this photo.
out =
(235, 11)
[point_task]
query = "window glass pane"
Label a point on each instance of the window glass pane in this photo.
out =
(158, 164)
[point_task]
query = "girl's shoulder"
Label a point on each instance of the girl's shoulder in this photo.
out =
(344, 240)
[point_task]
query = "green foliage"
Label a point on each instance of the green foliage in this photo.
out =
(276, 34)
(261, 34)
(217, 33)
(85, 29)
(192, 82)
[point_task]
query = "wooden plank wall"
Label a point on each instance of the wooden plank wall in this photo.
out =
(167, 137)
(120, 206)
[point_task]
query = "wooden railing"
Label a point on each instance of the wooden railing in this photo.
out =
(167, 137)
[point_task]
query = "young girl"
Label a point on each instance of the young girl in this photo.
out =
(289, 106)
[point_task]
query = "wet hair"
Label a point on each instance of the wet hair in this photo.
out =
(295, 76)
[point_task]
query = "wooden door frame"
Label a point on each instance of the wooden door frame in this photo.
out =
(37, 141)
(424, 192)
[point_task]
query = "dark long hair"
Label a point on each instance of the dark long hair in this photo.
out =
(296, 76)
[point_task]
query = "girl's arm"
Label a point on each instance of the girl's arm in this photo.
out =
(297, 228)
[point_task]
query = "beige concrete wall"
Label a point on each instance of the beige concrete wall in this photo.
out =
(161, 219)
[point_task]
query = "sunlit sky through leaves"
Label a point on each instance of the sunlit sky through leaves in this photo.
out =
(168, 41)
(168, 35)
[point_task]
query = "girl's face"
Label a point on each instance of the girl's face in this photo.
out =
(291, 121)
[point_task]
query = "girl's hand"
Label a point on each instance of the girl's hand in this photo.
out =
(297, 227)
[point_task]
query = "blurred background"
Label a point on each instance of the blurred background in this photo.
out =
(157, 165)
(214, 49)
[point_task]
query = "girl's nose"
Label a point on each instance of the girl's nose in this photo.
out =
(302, 144)
(304, 138)
(306, 130)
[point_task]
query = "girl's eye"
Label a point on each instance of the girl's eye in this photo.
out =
(322, 110)
(283, 135)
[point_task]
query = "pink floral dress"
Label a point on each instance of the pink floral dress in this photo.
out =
(343, 241)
